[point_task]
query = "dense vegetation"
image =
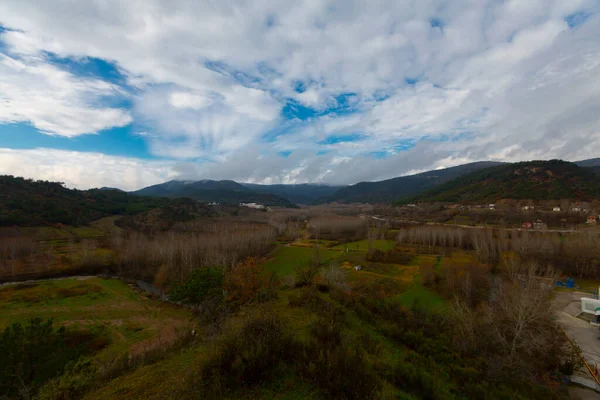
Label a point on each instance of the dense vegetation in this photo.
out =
(533, 180)
(25, 202)
(37, 351)
(208, 191)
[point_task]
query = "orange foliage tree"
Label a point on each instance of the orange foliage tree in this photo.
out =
(244, 281)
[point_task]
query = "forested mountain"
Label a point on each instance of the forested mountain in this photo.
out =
(535, 180)
(26, 202)
(402, 187)
(207, 191)
(305, 193)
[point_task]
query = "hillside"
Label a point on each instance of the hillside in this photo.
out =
(305, 193)
(535, 180)
(26, 202)
(402, 187)
(207, 191)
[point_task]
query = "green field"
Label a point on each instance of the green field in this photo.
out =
(284, 259)
(424, 296)
(363, 245)
(127, 316)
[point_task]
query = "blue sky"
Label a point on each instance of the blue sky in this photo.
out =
(285, 92)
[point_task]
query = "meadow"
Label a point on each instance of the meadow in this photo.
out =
(129, 318)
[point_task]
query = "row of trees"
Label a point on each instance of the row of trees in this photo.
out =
(576, 254)
(170, 257)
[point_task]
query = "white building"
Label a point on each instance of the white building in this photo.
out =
(591, 306)
(253, 205)
(556, 209)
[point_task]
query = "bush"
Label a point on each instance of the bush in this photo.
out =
(305, 275)
(37, 352)
(334, 366)
(200, 285)
(248, 357)
(79, 376)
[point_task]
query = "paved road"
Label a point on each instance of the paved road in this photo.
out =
(582, 332)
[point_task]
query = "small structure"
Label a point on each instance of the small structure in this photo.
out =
(492, 206)
(253, 205)
(357, 267)
(591, 219)
(556, 208)
(540, 225)
(527, 225)
(591, 306)
(527, 208)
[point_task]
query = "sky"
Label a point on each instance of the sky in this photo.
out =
(132, 93)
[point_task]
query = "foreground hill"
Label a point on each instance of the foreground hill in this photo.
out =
(535, 180)
(401, 187)
(26, 202)
(305, 193)
(208, 191)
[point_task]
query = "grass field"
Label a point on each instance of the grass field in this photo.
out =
(363, 245)
(424, 296)
(284, 259)
(129, 317)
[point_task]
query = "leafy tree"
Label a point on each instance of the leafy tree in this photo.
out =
(31, 355)
(202, 284)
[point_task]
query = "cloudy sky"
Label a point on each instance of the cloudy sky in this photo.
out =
(128, 93)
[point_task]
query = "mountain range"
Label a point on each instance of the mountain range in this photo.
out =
(532, 180)
(29, 202)
(282, 195)
(209, 191)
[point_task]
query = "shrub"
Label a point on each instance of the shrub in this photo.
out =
(305, 275)
(249, 356)
(334, 366)
(36, 352)
(200, 285)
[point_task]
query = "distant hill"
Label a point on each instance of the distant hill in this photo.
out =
(592, 162)
(25, 202)
(535, 180)
(305, 193)
(207, 191)
(402, 187)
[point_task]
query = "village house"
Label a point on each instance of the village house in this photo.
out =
(591, 219)
(540, 225)
(556, 208)
(527, 208)
(526, 225)
(579, 207)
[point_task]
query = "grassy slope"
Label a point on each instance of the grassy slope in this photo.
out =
(128, 316)
(112, 304)
(161, 379)
(284, 259)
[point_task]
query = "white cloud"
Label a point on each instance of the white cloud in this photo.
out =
(211, 79)
(189, 100)
(54, 101)
(83, 170)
